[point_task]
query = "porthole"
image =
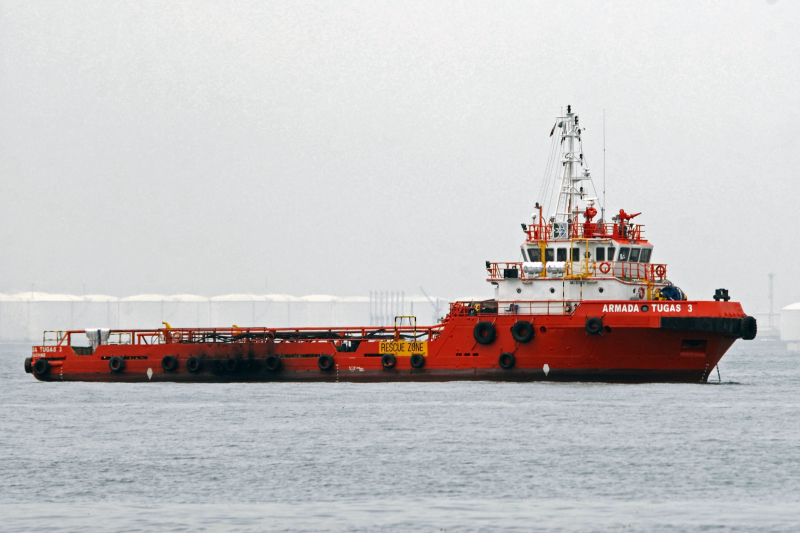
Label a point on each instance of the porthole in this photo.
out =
(542, 329)
(552, 290)
(645, 308)
(600, 289)
(519, 291)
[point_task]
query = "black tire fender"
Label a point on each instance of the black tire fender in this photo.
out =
(273, 363)
(523, 331)
(484, 332)
(194, 364)
(28, 365)
(749, 328)
(231, 364)
(116, 364)
(507, 360)
(169, 363)
(594, 325)
(417, 360)
(326, 362)
(41, 367)
(388, 361)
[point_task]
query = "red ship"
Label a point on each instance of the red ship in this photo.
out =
(584, 303)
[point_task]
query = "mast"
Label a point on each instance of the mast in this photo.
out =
(771, 301)
(603, 207)
(573, 170)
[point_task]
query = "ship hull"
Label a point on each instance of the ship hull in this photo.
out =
(518, 375)
(638, 342)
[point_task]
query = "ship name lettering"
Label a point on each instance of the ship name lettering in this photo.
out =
(667, 308)
(43, 349)
(620, 308)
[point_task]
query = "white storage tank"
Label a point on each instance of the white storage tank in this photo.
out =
(790, 323)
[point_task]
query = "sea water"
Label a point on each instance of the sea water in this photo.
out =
(404, 456)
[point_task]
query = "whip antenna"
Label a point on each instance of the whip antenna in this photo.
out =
(603, 208)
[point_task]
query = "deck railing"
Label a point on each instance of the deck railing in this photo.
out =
(652, 272)
(584, 230)
(249, 335)
(491, 307)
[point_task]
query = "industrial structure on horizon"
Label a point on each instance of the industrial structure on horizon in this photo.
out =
(24, 316)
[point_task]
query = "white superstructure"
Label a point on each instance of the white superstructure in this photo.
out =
(568, 256)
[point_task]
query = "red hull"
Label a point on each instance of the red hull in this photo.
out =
(639, 342)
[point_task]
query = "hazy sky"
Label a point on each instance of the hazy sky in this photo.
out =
(338, 147)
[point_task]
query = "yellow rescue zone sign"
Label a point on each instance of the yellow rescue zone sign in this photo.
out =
(405, 348)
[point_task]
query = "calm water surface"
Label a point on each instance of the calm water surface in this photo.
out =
(404, 457)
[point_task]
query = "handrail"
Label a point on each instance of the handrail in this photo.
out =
(54, 336)
(493, 307)
(584, 230)
(258, 335)
(653, 272)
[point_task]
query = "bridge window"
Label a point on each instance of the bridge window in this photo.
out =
(576, 254)
(548, 255)
(610, 253)
(645, 257)
(561, 254)
(635, 255)
(600, 253)
(535, 254)
(623, 254)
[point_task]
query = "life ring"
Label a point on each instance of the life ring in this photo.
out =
(175, 336)
(661, 271)
(274, 363)
(522, 331)
(388, 361)
(194, 364)
(506, 360)
(641, 293)
(484, 332)
(594, 326)
(116, 364)
(41, 367)
(417, 360)
(169, 363)
(325, 362)
(604, 267)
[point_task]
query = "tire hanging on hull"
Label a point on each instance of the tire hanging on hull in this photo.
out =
(325, 363)
(484, 332)
(194, 364)
(169, 363)
(507, 360)
(594, 326)
(388, 361)
(41, 368)
(523, 331)
(273, 363)
(116, 364)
